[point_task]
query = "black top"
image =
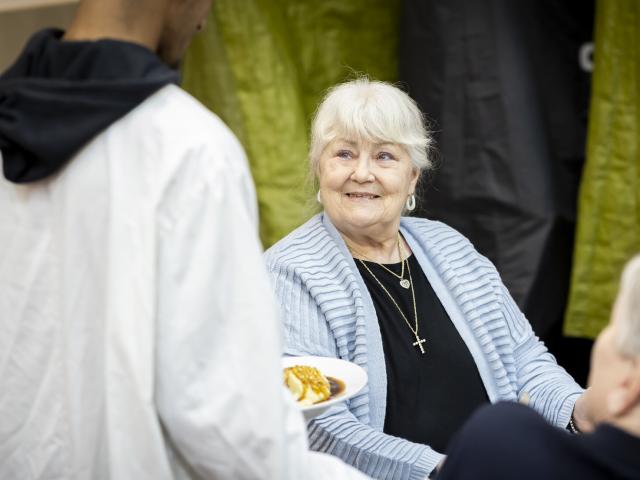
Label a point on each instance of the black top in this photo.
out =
(58, 95)
(428, 396)
(508, 440)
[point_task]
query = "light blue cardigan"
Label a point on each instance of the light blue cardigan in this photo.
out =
(327, 310)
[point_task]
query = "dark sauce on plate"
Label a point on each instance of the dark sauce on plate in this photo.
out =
(336, 386)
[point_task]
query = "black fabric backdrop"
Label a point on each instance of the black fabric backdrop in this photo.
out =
(508, 102)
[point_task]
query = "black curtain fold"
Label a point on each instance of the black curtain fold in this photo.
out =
(508, 100)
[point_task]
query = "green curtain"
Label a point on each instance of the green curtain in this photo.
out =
(263, 66)
(609, 204)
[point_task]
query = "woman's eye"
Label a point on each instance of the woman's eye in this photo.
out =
(346, 154)
(385, 156)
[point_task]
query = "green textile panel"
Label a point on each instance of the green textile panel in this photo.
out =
(263, 66)
(609, 204)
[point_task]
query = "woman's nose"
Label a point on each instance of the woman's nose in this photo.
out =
(362, 172)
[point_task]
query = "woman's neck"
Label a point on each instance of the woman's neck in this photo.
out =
(380, 248)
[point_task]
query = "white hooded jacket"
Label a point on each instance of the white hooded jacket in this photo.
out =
(138, 335)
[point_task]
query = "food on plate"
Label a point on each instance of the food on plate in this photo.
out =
(307, 384)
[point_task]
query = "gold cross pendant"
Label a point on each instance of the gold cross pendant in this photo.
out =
(419, 343)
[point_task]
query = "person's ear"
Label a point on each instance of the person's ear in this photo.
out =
(415, 175)
(634, 380)
(626, 395)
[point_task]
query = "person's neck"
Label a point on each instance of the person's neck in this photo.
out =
(378, 246)
(96, 20)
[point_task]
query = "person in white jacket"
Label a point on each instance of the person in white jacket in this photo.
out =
(138, 335)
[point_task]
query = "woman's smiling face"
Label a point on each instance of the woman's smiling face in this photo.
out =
(364, 185)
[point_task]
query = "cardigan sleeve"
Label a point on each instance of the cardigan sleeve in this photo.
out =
(551, 390)
(339, 432)
(375, 453)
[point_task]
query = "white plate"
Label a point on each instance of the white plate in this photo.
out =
(352, 375)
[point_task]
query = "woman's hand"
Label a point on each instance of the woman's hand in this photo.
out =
(582, 412)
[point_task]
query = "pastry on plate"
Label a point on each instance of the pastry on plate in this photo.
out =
(307, 384)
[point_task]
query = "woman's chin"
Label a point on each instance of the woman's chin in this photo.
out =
(357, 223)
(360, 217)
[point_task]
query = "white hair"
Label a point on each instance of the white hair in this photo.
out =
(628, 308)
(372, 111)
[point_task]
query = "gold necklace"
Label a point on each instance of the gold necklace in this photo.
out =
(414, 329)
(404, 283)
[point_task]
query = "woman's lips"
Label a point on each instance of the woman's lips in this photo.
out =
(362, 196)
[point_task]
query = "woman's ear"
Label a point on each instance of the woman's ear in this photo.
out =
(415, 176)
(626, 395)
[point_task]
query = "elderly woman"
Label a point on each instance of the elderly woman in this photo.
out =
(408, 299)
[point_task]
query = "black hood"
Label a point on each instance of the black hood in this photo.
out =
(59, 95)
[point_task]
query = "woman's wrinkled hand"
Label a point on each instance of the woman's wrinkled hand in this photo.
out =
(582, 412)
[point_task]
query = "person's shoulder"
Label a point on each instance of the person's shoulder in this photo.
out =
(183, 150)
(173, 99)
(186, 135)
(438, 237)
(500, 440)
(504, 428)
(175, 108)
(301, 241)
(176, 122)
(514, 416)
(434, 230)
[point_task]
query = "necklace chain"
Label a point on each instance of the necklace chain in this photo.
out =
(401, 276)
(403, 281)
(414, 328)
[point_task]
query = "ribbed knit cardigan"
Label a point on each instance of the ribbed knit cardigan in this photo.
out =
(327, 310)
